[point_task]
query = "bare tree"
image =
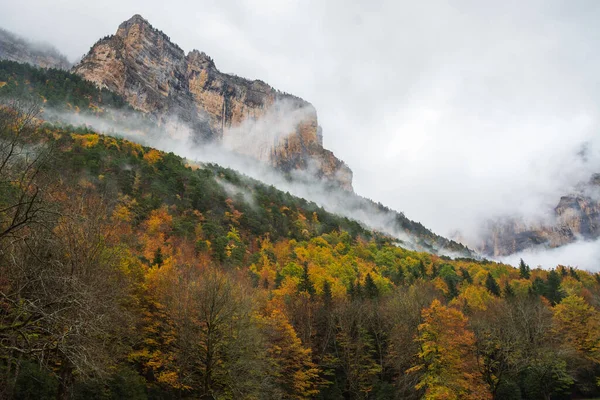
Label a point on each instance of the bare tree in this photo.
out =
(22, 158)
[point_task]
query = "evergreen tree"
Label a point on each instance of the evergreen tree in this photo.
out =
(305, 284)
(452, 289)
(158, 257)
(573, 273)
(356, 291)
(524, 270)
(538, 287)
(278, 279)
(371, 290)
(422, 269)
(492, 285)
(509, 293)
(466, 276)
(398, 276)
(553, 292)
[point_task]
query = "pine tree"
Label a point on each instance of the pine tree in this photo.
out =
(158, 257)
(398, 277)
(422, 269)
(573, 273)
(553, 292)
(509, 293)
(524, 270)
(371, 290)
(492, 285)
(278, 279)
(466, 276)
(539, 287)
(305, 284)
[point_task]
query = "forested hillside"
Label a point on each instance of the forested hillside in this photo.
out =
(128, 273)
(66, 98)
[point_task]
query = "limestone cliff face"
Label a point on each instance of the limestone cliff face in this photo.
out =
(14, 48)
(576, 216)
(155, 76)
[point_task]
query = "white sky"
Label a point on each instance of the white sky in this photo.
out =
(450, 111)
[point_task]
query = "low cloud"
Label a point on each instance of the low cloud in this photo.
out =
(581, 254)
(175, 136)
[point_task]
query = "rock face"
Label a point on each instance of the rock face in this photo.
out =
(155, 76)
(576, 216)
(17, 49)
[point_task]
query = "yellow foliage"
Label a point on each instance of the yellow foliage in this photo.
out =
(159, 221)
(571, 286)
(88, 140)
(153, 156)
(475, 297)
(122, 213)
(579, 325)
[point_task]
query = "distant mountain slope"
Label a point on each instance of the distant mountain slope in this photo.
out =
(15, 48)
(576, 216)
(141, 63)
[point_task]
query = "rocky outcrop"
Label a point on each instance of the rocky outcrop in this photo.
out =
(155, 76)
(17, 49)
(577, 216)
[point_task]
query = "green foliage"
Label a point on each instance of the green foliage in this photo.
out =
(371, 290)
(35, 383)
(492, 285)
(306, 284)
(524, 270)
(55, 88)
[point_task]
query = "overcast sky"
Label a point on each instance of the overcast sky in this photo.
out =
(450, 111)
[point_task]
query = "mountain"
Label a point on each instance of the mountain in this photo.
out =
(575, 217)
(155, 76)
(15, 48)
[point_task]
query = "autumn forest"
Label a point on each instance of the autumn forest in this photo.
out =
(131, 273)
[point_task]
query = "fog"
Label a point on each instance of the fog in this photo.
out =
(175, 136)
(453, 113)
(585, 254)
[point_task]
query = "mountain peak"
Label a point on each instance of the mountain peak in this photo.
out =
(155, 76)
(136, 19)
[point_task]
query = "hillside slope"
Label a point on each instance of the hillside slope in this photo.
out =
(68, 97)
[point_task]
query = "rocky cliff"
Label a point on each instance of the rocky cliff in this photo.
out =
(155, 76)
(577, 216)
(17, 49)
